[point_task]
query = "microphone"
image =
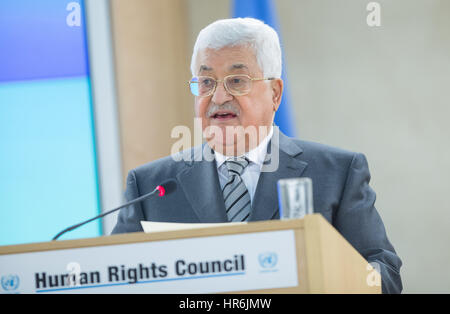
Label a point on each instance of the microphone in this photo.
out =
(165, 188)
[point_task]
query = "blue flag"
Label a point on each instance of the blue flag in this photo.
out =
(264, 10)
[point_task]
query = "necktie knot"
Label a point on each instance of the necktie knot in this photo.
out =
(236, 165)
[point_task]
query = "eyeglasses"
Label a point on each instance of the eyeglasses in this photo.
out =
(236, 85)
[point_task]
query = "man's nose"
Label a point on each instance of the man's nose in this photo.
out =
(221, 95)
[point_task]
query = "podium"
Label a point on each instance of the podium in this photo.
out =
(279, 256)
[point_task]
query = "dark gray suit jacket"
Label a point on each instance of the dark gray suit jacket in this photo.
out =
(341, 194)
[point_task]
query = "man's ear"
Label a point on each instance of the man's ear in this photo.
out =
(277, 92)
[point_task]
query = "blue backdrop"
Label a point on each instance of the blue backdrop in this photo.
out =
(265, 10)
(47, 145)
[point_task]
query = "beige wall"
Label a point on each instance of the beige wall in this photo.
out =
(384, 92)
(151, 54)
(381, 91)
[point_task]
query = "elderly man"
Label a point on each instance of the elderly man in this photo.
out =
(236, 67)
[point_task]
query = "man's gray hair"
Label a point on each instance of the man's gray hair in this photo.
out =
(250, 32)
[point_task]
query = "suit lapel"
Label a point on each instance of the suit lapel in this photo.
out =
(200, 183)
(265, 205)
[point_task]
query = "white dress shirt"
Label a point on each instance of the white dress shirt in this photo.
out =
(251, 173)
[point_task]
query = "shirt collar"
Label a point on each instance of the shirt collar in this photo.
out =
(256, 155)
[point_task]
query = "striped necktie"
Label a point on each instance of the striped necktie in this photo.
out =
(235, 193)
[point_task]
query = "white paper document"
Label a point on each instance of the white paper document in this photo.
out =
(151, 226)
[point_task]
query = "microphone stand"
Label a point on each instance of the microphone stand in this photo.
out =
(139, 199)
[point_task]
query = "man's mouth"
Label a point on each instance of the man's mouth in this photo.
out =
(223, 115)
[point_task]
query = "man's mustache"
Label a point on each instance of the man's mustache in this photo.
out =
(226, 106)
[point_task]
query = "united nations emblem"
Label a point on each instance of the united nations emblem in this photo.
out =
(10, 282)
(268, 260)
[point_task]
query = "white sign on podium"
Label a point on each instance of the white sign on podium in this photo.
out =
(259, 260)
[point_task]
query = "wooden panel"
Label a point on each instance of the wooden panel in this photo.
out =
(334, 266)
(314, 257)
(326, 262)
(152, 68)
(137, 237)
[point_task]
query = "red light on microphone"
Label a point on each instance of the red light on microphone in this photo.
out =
(161, 190)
